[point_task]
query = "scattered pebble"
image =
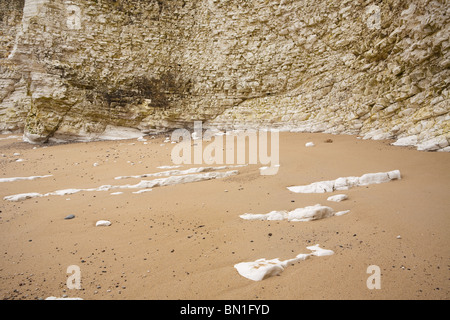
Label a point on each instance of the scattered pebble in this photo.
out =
(70, 216)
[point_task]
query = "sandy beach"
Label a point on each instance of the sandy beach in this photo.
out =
(182, 241)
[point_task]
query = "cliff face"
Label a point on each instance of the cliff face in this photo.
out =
(88, 69)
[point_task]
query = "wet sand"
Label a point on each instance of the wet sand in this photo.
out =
(182, 241)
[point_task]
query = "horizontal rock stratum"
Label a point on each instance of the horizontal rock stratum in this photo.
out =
(104, 69)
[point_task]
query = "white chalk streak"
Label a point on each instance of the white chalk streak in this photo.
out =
(310, 213)
(68, 298)
(338, 198)
(177, 172)
(142, 191)
(23, 178)
(23, 196)
(168, 167)
(347, 183)
(144, 184)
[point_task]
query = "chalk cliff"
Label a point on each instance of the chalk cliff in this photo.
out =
(100, 69)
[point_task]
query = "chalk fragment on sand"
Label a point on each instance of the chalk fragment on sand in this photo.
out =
(268, 171)
(309, 213)
(173, 180)
(177, 172)
(142, 191)
(338, 198)
(319, 252)
(144, 184)
(347, 183)
(271, 216)
(23, 196)
(341, 213)
(309, 144)
(62, 192)
(23, 178)
(68, 298)
(168, 167)
(262, 268)
(103, 223)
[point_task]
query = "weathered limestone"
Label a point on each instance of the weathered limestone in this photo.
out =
(79, 69)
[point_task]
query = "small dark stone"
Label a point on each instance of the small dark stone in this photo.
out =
(70, 216)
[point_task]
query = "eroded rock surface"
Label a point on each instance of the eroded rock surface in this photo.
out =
(85, 69)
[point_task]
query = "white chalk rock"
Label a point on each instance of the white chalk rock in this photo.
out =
(310, 213)
(23, 178)
(168, 167)
(373, 178)
(22, 196)
(262, 269)
(347, 183)
(406, 141)
(319, 252)
(341, 213)
(142, 191)
(103, 223)
(271, 216)
(338, 198)
(68, 298)
(316, 187)
(144, 184)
